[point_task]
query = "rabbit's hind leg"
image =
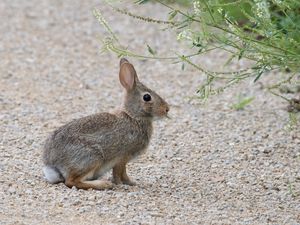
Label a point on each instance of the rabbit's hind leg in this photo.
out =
(81, 181)
(94, 184)
(119, 173)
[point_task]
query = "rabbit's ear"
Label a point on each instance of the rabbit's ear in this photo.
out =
(123, 60)
(127, 75)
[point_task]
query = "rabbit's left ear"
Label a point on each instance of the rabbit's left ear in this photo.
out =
(123, 60)
(127, 75)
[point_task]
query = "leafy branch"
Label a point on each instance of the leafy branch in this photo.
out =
(266, 32)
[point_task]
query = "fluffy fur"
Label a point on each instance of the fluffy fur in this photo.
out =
(79, 152)
(52, 174)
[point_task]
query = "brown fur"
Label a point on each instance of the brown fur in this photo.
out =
(79, 152)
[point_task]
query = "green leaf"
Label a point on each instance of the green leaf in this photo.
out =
(141, 1)
(258, 75)
(151, 51)
(229, 60)
(241, 53)
(242, 103)
(172, 14)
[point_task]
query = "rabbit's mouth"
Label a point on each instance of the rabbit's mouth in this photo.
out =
(161, 117)
(163, 112)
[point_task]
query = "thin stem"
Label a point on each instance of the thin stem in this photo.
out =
(146, 19)
(102, 21)
(278, 95)
(252, 40)
(121, 51)
(179, 11)
(239, 74)
(288, 80)
(209, 10)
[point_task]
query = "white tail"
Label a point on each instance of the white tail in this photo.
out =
(52, 174)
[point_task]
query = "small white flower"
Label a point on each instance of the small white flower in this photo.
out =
(184, 35)
(262, 9)
(196, 5)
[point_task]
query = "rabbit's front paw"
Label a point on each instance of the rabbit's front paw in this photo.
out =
(129, 182)
(117, 180)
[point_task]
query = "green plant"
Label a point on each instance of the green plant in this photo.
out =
(293, 121)
(266, 32)
(242, 102)
(180, 2)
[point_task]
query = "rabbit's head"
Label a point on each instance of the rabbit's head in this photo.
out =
(139, 100)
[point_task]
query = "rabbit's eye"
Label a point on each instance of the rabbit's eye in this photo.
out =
(147, 97)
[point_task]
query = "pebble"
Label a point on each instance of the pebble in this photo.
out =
(208, 164)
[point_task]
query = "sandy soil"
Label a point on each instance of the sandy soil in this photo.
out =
(207, 165)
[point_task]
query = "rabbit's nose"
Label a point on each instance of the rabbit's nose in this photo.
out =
(167, 109)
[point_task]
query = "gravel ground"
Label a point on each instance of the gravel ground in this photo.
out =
(207, 165)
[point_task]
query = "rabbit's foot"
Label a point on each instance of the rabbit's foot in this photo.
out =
(117, 180)
(126, 180)
(87, 184)
(120, 176)
(105, 184)
(129, 182)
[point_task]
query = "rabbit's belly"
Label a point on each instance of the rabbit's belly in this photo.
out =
(104, 167)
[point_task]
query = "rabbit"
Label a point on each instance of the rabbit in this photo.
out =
(81, 151)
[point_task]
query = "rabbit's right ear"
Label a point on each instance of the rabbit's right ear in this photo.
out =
(127, 75)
